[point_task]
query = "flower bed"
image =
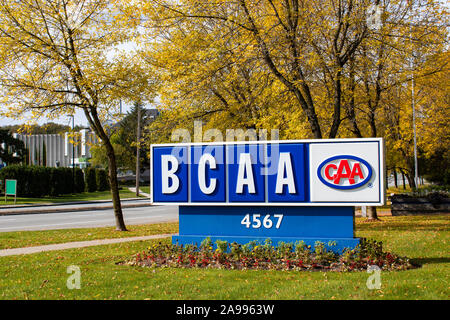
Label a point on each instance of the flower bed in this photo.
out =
(254, 255)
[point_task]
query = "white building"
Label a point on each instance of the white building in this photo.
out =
(57, 150)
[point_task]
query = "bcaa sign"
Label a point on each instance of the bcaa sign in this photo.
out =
(344, 172)
(325, 172)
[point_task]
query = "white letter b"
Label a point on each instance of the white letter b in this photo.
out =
(168, 175)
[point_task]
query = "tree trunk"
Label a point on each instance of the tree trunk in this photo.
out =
(112, 172)
(372, 213)
(94, 121)
(337, 106)
(395, 177)
(403, 180)
(411, 181)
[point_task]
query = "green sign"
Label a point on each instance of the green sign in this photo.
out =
(11, 187)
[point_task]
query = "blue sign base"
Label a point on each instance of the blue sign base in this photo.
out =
(338, 244)
(242, 224)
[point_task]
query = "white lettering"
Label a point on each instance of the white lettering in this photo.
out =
(245, 174)
(169, 174)
(202, 173)
(285, 164)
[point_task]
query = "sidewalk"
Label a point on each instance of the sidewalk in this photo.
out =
(133, 189)
(77, 244)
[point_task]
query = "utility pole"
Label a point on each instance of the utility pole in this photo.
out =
(138, 148)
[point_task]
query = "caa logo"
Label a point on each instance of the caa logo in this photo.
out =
(344, 172)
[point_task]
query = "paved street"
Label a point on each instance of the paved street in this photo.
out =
(86, 219)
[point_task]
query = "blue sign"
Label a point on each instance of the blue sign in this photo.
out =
(343, 172)
(282, 190)
(242, 224)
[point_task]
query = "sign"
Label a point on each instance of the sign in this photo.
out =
(11, 189)
(338, 172)
(243, 224)
(301, 190)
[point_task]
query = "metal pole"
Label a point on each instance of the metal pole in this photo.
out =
(73, 155)
(138, 138)
(416, 169)
(413, 103)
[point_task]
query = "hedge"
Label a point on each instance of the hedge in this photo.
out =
(35, 181)
(90, 179)
(79, 181)
(102, 180)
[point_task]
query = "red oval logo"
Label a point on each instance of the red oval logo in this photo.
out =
(344, 172)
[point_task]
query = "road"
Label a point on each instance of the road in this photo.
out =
(86, 219)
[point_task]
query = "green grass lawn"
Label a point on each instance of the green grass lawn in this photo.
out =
(20, 239)
(145, 189)
(425, 239)
(85, 196)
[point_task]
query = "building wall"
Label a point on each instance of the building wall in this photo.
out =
(57, 147)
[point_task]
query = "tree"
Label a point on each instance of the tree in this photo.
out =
(123, 139)
(126, 136)
(311, 49)
(12, 151)
(47, 128)
(54, 59)
(377, 99)
(417, 82)
(293, 39)
(211, 79)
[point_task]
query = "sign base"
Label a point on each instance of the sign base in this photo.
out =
(333, 226)
(339, 244)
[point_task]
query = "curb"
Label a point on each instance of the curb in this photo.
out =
(48, 209)
(11, 206)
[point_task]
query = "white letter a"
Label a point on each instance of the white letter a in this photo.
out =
(285, 163)
(245, 174)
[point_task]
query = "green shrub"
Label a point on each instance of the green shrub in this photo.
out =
(45, 180)
(101, 180)
(19, 173)
(68, 181)
(90, 180)
(56, 181)
(36, 181)
(255, 256)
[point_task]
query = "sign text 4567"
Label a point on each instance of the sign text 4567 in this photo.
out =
(254, 221)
